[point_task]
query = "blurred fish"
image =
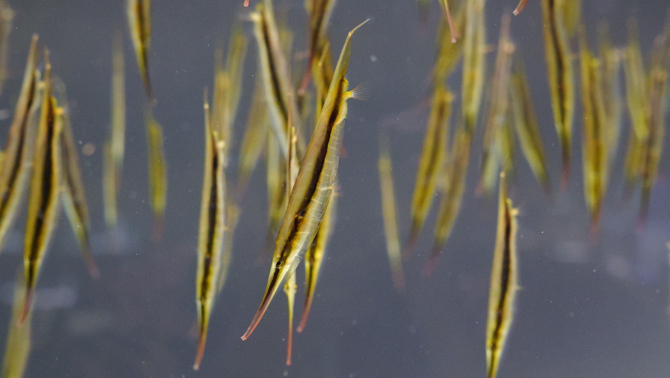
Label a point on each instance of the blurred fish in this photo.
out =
(390, 214)
(519, 7)
(610, 58)
(45, 187)
(18, 151)
(254, 138)
(73, 194)
(157, 173)
(6, 19)
(138, 13)
(313, 187)
(433, 154)
(504, 282)
(561, 76)
(447, 16)
(456, 169)
(449, 53)
(319, 13)
(115, 144)
(211, 235)
(474, 62)
(17, 349)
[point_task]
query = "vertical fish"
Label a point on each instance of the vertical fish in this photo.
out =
(496, 123)
(456, 169)
(432, 157)
(504, 282)
(313, 187)
(211, 234)
(526, 126)
(74, 194)
(45, 184)
(18, 152)
(157, 173)
(389, 214)
(561, 76)
(474, 62)
(138, 13)
(17, 350)
(6, 19)
(115, 145)
(594, 144)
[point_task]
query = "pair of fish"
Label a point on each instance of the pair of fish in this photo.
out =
(504, 281)
(313, 187)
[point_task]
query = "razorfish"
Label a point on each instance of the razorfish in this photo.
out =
(138, 13)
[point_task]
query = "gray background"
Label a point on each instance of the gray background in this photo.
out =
(587, 308)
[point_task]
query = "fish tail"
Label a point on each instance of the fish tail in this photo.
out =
(26, 305)
(565, 176)
(289, 343)
(411, 241)
(157, 232)
(429, 268)
(399, 281)
(91, 265)
(305, 313)
(202, 340)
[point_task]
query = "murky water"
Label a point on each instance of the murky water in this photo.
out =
(588, 308)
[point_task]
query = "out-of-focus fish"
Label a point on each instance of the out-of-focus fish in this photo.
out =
(138, 13)
(6, 19)
(474, 62)
(18, 151)
(115, 145)
(504, 282)
(313, 187)
(211, 235)
(610, 58)
(561, 76)
(17, 349)
(433, 154)
(450, 205)
(595, 154)
(497, 117)
(526, 126)
(319, 13)
(519, 7)
(275, 70)
(74, 194)
(390, 214)
(254, 138)
(45, 186)
(157, 173)
(447, 16)
(449, 53)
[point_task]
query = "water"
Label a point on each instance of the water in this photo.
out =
(586, 308)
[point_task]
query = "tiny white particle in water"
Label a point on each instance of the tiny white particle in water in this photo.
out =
(373, 58)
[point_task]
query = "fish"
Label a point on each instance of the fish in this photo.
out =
(519, 7)
(450, 204)
(138, 13)
(274, 70)
(432, 157)
(611, 59)
(526, 125)
(474, 62)
(497, 120)
(18, 150)
(157, 172)
(595, 153)
(45, 189)
(389, 214)
(115, 144)
(17, 349)
(314, 184)
(74, 194)
(560, 74)
(6, 21)
(319, 13)
(504, 281)
(211, 234)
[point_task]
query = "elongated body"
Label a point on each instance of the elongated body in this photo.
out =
(390, 214)
(17, 348)
(254, 138)
(474, 62)
(313, 187)
(115, 145)
(74, 194)
(504, 282)
(45, 185)
(526, 125)
(17, 153)
(450, 205)
(157, 173)
(319, 12)
(138, 13)
(561, 76)
(433, 154)
(6, 20)
(211, 234)
(274, 70)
